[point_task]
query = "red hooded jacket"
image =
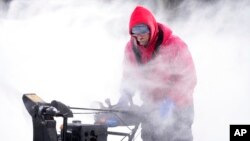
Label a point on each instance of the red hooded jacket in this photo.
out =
(158, 71)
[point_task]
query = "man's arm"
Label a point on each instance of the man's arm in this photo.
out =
(183, 76)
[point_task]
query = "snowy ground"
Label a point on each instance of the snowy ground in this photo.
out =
(71, 51)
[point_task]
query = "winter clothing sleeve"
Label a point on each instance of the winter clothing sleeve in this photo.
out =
(182, 76)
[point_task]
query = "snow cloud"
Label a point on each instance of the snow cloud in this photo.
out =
(72, 51)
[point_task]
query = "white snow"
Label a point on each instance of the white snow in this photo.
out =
(72, 51)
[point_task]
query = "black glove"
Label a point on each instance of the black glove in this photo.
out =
(125, 99)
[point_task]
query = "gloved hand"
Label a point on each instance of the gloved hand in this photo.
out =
(128, 114)
(166, 108)
(125, 100)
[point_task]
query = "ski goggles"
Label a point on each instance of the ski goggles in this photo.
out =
(140, 29)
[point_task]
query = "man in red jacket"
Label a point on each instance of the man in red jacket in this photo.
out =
(158, 66)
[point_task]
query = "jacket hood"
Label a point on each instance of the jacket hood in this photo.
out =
(141, 15)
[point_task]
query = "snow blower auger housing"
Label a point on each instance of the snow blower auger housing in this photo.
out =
(44, 124)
